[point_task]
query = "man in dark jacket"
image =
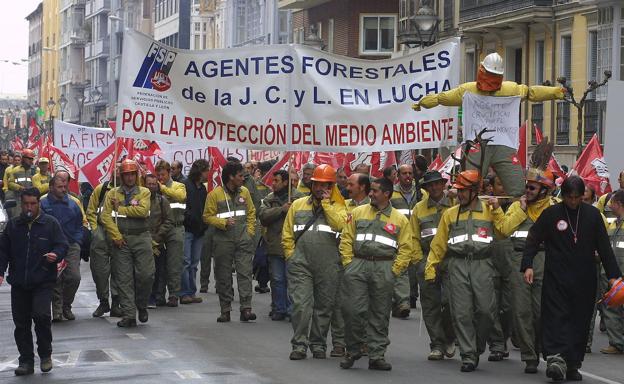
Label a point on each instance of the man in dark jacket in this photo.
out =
(31, 246)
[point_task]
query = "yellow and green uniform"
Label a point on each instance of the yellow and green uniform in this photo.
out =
(173, 238)
(466, 241)
(313, 268)
(132, 264)
(525, 298)
(434, 298)
(232, 245)
(375, 248)
(497, 156)
(5, 178)
(161, 224)
(603, 206)
(303, 189)
(41, 182)
(100, 252)
(18, 179)
(614, 317)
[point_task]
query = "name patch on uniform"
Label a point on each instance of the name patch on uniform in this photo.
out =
(241, 199)
(562, 225)
(390, 228)
(482, 232)
(134, 203)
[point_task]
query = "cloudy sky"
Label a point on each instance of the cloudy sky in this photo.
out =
(14, 46)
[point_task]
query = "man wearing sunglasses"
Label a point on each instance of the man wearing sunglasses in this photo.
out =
(525, 298)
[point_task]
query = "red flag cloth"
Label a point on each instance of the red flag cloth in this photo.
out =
(217, 161)
(377, 161)
(592, 167)
(336, 160)
(100, 168)
(60, 161)
(449, 164)
(281, 164)
(522, 148)
(436, 163)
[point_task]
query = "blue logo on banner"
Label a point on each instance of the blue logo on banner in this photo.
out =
(154, 72)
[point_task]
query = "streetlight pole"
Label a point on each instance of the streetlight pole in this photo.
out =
(63, 103)
(51, 104)
(80, 100)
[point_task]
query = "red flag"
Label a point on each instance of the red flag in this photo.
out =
(60, 161)
(591, 166)
(101, 167)
(449, 164)
(281, 164)
(377, 161)
(217, 161)
(436, 163)
(522, 148)
(538, 134)
(334, 159)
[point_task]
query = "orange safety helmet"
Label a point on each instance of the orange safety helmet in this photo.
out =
(128, 166)
(543, 177)
(468, 179)
(324, 173)
(29, 153)
(615, 297)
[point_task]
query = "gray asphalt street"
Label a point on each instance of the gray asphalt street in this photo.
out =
(186, 344)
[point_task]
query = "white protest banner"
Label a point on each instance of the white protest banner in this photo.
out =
(187, 154)
(263, 155)
(82, 144)
(285, 97)
(498, 114)
(614, 135)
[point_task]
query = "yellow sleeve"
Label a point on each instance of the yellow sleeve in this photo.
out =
(142, 210)
(606, 222)
(512, 219)
(13, 186)
(107, 218)
(438, 247)
(404, 256)
(175, 194)
(79, 203)
(5, 179)
(601, 203)
(415, 230)
(251, 214)
(210, 212)
(42, 187)
(452, 97)
(288, 236)
(346, 242)
(498, 218)
(336, 214)
(92, 207)
(543, 93)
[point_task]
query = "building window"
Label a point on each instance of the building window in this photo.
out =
(196, 45)
(377, 34)
(197, 27)
(565, 64)
(449, 14)
(563, 123)
(537, 119)
(604, 47)
(594, 114)
(330, 35)
(469, 66)
(539, 62)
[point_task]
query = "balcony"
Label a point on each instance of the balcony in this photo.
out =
(96, 49)
(65, 4)
(76, 36)
(480, 13)
(70, 76)
(300, 4)
(95, 7)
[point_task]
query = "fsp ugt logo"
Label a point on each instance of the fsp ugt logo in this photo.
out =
(154, 72)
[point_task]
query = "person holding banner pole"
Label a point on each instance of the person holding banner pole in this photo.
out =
(230, 209)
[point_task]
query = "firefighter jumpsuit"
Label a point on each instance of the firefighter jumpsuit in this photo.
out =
(466, 240)
(173, 239)
(313, 268)
(161, 224)
(614, 317)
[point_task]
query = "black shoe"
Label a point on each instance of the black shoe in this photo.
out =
(413, 301)
(161, 302)
(319, 355)
(337, 351)
(57, 318)
(247, 315)
(68, 314)
(379, 365)
(224, 318)
(495, 356)
(127, 323)
(297, 355)
(116, 312)
(101, 309)
(348, 360)
(278, 316)
(531, 366)
(573, 375)
(260, 289)
(46, 364)
(24, 369)
(555, 372)
(401, 312)
(143, 315)
(468, 367)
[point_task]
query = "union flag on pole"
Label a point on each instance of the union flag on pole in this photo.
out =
(592, 168)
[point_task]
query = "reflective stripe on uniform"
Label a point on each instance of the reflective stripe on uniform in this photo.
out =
(404, 211)
(177, 206)
(115, 214)
(21, 179)
(376, 238)
(477, 238)
(318, 228)
(227, 215)
(99, 210)
(458, 239)
(428, 232)
(522, 234)
(619, 244)
(486, 239)
(611, 220)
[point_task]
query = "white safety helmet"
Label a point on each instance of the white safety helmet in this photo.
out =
(493, 63)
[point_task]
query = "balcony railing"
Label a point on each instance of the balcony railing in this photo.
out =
(71, 76)
(93, 7)
(300, 4)
(476, 9)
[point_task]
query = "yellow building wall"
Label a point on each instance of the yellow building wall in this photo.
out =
(579, 69)
(50, 55)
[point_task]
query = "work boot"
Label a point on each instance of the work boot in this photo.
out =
(468, 367)
(337, 351)
(401, 312)
(379, 365)
(173, 301)
(247, 315)
(297, 355)
(161, 302)
(101, 309)
(260, 289)
(319, 355)
(46, 364)
(25, 369)
(364, 350)
(611, 350)
(531, 366)
(348, 360)
(57, 317)
(278, 316)
(143, 315)
(186, 300)
(127, 323)
(449, 351)
(556, 368)
(435, 355)
(196, 300)
(573, 375)
(68, 314)
(224, 318)
(115, 308)
(495, 356)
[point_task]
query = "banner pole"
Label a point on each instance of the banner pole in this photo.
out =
(114, 168)
(289, 181)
